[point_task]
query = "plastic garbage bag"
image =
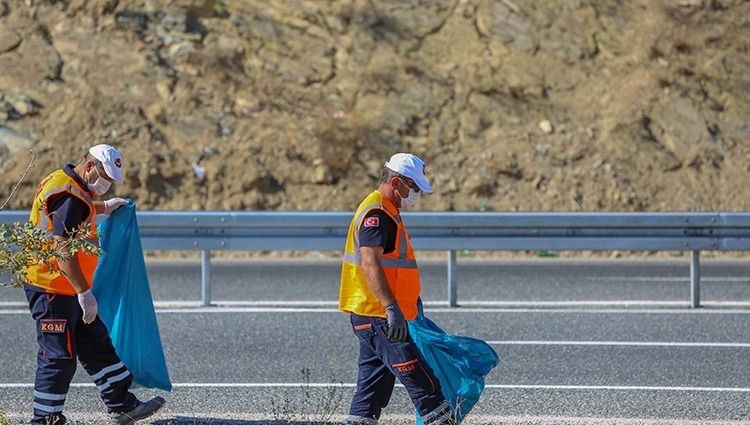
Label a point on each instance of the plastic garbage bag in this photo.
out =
(124, 297)
(459, 363)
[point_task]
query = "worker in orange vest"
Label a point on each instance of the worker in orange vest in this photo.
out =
(380, 288)
(60, 297)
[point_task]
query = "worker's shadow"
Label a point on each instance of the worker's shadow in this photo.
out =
(180, 420)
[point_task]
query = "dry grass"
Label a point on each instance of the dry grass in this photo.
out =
(312, 409)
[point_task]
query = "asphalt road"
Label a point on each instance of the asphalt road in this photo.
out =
(580, 342)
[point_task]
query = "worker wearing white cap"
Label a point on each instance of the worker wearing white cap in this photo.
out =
(380, 286)
(60, 298)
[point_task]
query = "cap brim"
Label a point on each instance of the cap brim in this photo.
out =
(422, 184)
(113, 173)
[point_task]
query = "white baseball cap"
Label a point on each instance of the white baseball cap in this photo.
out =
(411, 166)
(110, 159)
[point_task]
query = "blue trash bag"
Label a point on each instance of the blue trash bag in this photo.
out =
(124, 297)
(460, 363)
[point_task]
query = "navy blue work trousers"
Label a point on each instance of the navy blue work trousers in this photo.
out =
(63, 338)
(381, 361)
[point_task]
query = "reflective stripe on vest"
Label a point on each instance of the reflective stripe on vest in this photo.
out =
(42, 275)
(73, 189)
(398, 263)
(400, 267)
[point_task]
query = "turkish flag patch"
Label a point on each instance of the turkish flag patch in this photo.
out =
(372, 222)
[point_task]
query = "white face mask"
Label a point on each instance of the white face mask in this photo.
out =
(101, 185)
(411, 199)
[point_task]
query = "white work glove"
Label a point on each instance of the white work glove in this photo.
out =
(110, 205)
(88, 305)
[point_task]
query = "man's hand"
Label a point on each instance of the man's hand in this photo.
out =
(397, 328)
(110, 205)
(88, 304)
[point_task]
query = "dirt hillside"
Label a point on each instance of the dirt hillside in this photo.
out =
(295, 105)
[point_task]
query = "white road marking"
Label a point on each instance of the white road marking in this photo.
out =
(599, 303)
(201, 417)
(708, 308)
(353, 385)
(10, 304)
(686, 279)
(627, 344)
(620, 388)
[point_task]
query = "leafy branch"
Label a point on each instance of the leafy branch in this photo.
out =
(23, 245)
(23, 176)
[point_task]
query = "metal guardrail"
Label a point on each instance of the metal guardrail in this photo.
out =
(209, 231)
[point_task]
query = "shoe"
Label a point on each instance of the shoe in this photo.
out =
(142, 410)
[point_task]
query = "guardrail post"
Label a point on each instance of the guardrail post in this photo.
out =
(695, 279)
(452, 290)
(206, 277)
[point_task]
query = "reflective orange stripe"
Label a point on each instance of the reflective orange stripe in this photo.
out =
(428, 377)
(70, 342)
(406, 363)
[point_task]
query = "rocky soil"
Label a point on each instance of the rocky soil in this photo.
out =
(295, 105)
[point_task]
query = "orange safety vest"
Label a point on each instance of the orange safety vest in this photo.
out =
(42, 275)
(400, 267)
